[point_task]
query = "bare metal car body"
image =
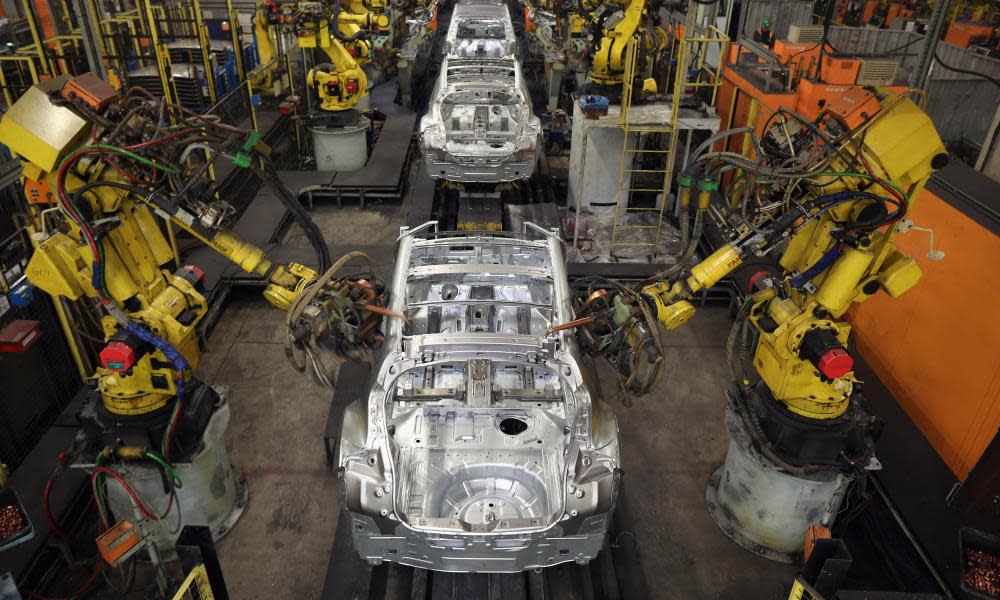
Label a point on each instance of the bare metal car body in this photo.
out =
(479, 126)
(477, 446)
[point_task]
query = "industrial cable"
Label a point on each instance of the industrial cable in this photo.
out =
(302, 218)
(888, 52)
(684, 225)
(174, 477)
(170, 531)
(46, 507)
(705, 145)
(825, 40)
(696, 231)
(128, 489)
(86, 587)
(309, 293)
(989, 78)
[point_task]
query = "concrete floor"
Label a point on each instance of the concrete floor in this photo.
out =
(673, 440)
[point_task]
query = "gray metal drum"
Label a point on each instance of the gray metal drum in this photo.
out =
(765, 509)
(213, 493)
(341, 148)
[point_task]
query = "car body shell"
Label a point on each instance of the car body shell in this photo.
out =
(479, 126)
(477, 445)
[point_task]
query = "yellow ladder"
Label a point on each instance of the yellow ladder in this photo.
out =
(628, 230)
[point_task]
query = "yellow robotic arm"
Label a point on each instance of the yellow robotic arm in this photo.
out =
(109, 245)
(837, 249)
(619, 28)
(335, 28)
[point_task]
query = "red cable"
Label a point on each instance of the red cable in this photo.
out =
(138, 88)
(86, 586)
(128, 488)
(114, 165)
(48, 512)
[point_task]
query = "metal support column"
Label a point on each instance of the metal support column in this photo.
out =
(36, 36)
(91, 41)
(935, 26)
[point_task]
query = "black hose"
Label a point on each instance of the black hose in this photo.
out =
(937, 57)
(291, 203)
(334, 19)
(79, 192)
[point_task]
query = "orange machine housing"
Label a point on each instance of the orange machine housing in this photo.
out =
(935, 346)
(851, 105)
(746, 100)
(840, 71)
(800, 58)
(966, 33)
(897, 10)
(91, 90)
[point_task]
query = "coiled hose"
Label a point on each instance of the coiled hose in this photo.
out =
(685, 223)
(696, 231)
(693, 157)
(761, 169)
(299, 305)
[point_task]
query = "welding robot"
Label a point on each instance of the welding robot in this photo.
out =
(816, 235)
(340, 32)
(100, 172)
(613, 28)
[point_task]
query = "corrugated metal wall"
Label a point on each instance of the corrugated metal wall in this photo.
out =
(905, 46)
(962, 105)
(782, 13)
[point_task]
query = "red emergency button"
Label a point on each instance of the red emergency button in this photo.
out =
(196, 270)
(118, 356)
(835, 363)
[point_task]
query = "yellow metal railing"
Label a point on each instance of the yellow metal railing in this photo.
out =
(643, 141)
(196, 586)
(29, 60)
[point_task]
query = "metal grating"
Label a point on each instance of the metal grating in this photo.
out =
(877, 72)
(977, 96)
(805, 34)
(903, 47)
(782, 14)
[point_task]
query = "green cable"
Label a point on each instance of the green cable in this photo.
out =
(102, 503)
(166, 467)
(104, 273)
